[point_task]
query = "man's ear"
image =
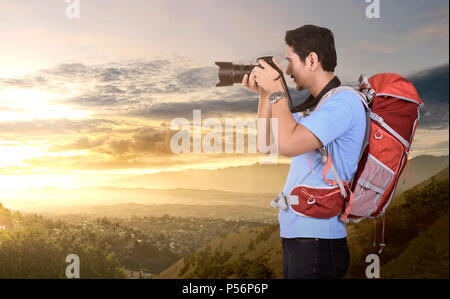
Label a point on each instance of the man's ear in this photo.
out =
(314, 61)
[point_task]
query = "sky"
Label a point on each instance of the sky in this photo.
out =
(85, 100)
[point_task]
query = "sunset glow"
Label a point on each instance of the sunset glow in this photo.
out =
(94, 102)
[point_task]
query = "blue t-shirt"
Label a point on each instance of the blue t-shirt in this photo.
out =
(340, 125)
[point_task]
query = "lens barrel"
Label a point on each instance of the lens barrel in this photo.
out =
(230, 73)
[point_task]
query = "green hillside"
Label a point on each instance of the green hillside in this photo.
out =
(250, 253)
(417, 210)
(425, 257)
(419, 169)
(37, 248)
(411, 224)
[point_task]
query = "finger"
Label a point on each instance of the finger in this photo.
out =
(245, 80)
(277, 64)
(258, 69)
(252, 80)
(264, 63)
(258, 72)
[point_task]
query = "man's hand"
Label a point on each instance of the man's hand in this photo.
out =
(268, 78)
(250, 82)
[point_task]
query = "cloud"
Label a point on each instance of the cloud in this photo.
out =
(209, 107)
(433, 117)
(143, 141)
(442, 145)
(434, 31)
(205, 77)
(47, 127)
(432, 86)
(12, 109)
(371, 46)
(133, 103)
(218, 102)
(134, 76)
(80, 143)
(91, 162)
(146, 88)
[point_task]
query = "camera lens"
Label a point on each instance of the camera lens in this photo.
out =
(230, 73)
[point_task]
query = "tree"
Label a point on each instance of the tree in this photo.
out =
(33, 252)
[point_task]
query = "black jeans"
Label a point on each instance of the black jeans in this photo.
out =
(315, 258)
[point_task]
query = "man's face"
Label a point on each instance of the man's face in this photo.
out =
(297, 69)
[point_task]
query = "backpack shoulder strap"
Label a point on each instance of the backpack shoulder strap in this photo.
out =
(324, 152)
(364, 101)
(336, 90)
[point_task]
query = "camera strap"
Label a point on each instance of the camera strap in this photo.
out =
(311, 101)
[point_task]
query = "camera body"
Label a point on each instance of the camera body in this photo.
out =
(230, 73)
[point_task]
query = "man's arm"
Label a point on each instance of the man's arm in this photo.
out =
(263, 124)
(293, 138)
(264, 115)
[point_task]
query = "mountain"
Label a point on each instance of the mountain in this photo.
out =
(58, 199)
(262, 183)
(256, 253)
(257, 178)
(261, 178)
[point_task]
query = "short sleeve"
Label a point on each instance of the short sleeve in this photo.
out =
(331, 120)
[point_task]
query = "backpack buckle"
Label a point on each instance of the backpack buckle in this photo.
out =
(323, 152)
(280, 202)
(368, 93)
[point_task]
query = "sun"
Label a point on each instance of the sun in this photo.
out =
(20, 104)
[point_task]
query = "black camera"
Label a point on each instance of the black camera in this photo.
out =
(230, 73)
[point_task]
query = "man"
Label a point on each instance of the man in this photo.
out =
(312, 247)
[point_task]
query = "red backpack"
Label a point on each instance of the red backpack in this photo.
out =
(392, 111)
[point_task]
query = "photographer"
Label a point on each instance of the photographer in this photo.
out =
(312, 247)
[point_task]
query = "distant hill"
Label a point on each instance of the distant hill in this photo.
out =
(115, 201)
(264, 178)
(256, 253)
(119, 201)
(263, 213)
(257, 178)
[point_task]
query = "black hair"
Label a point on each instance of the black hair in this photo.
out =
(311, 38)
